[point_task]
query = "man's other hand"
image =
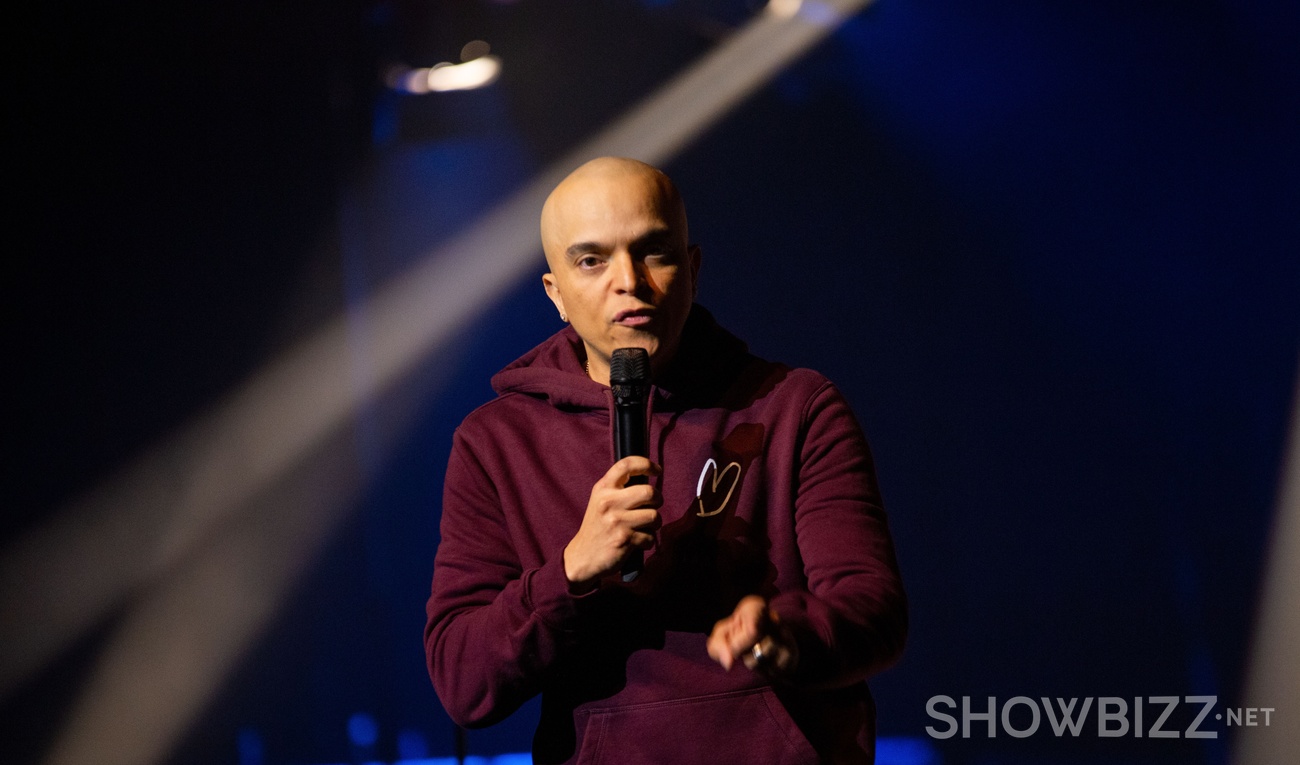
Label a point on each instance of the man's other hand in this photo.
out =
(754, 635)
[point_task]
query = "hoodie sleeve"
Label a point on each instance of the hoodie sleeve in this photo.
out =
(852, 620)
(493, 627)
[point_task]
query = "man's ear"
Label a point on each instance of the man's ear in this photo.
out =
(553, 292)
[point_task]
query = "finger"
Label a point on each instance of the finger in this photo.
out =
(725, 644)
(743, 635)
(718, 645)
(742, 642)
(641, 540)
(643, 520)
(760, 654)
(627, 467)
(754, 609)
(606, 498)
(745, 630)
(772, 657)
(644, 466)
(642, 496)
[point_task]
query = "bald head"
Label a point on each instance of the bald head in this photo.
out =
(589, 190)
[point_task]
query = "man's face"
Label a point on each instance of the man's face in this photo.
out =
(621, 269)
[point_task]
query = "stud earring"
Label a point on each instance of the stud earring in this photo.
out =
(564, 318)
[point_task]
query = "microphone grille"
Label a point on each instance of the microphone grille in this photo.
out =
(629, 366)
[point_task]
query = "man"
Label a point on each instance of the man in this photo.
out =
(769, 590)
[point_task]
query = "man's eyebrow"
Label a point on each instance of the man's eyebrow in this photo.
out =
(655, 238)
(582, 248)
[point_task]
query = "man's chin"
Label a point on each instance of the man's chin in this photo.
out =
(650, 343)
(627, 337)
(651, 348)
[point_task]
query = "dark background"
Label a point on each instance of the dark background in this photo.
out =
(1048, 251)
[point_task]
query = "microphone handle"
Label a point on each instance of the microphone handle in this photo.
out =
(631, 439)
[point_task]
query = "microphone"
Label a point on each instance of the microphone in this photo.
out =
(629, 378)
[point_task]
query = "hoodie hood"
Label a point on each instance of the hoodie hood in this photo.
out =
(708, 361)
(553, 370)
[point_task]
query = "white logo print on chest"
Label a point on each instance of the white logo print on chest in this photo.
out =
(727, 479)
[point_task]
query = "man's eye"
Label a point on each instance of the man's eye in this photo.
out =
(588, 261)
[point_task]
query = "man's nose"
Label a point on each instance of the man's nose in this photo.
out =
(627, 273)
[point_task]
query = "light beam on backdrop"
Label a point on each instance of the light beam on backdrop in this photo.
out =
(174, 536)
(1273, 678)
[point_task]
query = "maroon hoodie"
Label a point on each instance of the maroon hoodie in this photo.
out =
(768, 488)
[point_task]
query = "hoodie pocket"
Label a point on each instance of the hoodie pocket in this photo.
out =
(746, 727)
